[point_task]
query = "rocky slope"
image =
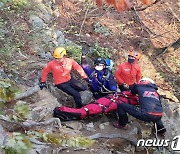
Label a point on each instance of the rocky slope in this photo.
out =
(44, 25)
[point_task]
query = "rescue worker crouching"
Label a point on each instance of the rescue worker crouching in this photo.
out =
(101, 79)
(61, 67)
(128, 73)
(150, 109)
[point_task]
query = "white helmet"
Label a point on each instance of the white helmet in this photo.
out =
(146, 81)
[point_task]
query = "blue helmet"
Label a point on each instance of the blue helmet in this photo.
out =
(100, 61)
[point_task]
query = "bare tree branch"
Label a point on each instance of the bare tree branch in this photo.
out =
(151, 33)
(175, 45)
(32, 124)
(28, 92)
(141, 22)
(110, 136)
(144, 8)
(84, 19)
(16, 126)
(175, 15)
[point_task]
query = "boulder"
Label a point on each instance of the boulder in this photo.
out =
(37, 22)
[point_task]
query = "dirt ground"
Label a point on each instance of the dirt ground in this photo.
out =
(148, 31)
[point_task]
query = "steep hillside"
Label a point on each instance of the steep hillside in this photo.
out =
(152, 32)
(29, 32)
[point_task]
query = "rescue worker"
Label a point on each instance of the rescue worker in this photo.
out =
(61, 68)
(101, 79)
(150, 109)
(128, 73)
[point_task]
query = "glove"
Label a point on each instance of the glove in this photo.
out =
(126, 86)
(42, 85)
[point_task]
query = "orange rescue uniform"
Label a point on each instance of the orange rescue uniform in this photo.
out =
(128, 73)
(61, 71)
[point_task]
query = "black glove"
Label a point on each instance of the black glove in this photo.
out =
(126, 86)
(42, 85)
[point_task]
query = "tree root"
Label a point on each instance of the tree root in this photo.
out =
(10, 125)
(110, 136)
(35, 141)
(32, 124)
(16, 126)
(27, 93)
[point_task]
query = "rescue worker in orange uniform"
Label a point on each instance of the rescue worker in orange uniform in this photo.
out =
(61, 68)
(128, 73)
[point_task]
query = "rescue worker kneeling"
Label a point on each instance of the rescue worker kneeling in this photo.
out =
(150, 109)
(61, 68)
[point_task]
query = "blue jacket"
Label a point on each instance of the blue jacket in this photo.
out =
(149, 98)
(100, 80)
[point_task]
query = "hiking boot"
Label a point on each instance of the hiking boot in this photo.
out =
(117, 125)
(161, 132)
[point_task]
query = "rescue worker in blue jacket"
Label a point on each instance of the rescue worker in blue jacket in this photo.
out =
(150, 109)
(101, 79)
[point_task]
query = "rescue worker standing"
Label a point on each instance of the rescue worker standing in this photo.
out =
(150, 109)
(61, 68)
(101, 79)
(128, 73)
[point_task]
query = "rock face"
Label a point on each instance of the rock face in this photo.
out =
(37, 22)
(43, 109)
(3, 75)
(86, 96)
(46, 38)
(3, 135)
(171, 118)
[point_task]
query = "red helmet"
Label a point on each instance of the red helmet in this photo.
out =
(135, 54)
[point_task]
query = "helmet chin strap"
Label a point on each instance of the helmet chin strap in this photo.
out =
(60, 60)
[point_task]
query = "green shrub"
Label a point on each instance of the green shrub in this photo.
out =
(7, 89)
(98, 28)
(10, 39)
(14, 4)
(74, 51)
(18, 144)
(99, 51)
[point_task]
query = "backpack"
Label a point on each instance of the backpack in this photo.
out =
(109, 63)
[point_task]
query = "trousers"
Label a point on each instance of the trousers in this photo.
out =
(138, 113)
(73, 87)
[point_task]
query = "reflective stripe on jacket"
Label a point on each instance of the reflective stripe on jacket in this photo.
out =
(149, 99)
(100, 78)
(128, 73)
(61, 71)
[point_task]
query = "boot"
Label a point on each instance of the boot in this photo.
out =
(161, 130)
